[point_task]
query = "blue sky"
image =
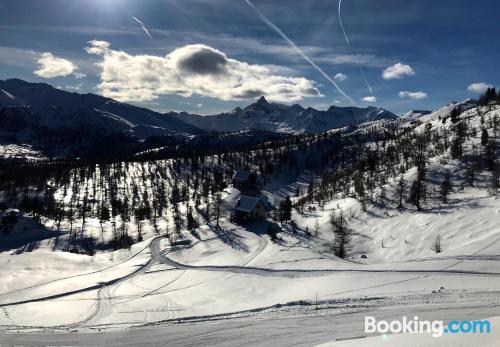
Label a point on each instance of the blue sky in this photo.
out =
(207, 56)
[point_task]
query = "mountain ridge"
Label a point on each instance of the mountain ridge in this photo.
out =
(59, 122)
(275, 117)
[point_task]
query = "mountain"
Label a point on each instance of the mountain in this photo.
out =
(55, 108)
(61, 122)
(282, 118)
(55, 122)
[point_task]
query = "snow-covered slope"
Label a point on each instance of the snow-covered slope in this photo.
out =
(281, 118)
(414, 114)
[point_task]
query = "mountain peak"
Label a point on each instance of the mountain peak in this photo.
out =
(260, 105)
(262, 101)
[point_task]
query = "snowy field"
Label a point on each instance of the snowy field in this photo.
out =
(241, 276)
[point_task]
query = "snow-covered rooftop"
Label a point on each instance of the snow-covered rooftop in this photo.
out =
(246, 203)
(241, 175)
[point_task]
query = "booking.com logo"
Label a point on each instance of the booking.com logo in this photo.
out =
(437, 328)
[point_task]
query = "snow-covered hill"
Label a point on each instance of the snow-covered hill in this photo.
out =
(282, 118)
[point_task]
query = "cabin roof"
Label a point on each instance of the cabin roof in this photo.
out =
(241, 175)
(246, 203)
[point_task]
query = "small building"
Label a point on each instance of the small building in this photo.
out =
(8, 219)
(241, 179)
(248, 209)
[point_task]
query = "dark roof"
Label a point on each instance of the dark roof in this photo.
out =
(246, 203)
(241, 175)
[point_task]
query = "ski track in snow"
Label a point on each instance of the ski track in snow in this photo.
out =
(155, 249)
(75, 276)
(158, 256)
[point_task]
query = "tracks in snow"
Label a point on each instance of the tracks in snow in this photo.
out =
(160, 257)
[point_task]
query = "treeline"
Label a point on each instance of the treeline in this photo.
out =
(490, 96)
(174, 193)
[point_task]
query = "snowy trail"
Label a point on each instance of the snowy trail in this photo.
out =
(76, 276)
(160, 257)
(80, 290)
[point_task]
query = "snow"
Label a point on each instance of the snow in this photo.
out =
(289, 119)
(20, 151)
(425, 340)
(246, 203)
(238, 265)
(55, 109)
(235, 276)
(241, 175)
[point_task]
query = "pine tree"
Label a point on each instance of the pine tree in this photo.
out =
(445, 188)
(455, 114)
(484, 137)
(401, 191)
(191, 222)
(417, 193)
(285, 210)
(456, 148)
(343, 234)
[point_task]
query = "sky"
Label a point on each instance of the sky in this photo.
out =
(209, 56)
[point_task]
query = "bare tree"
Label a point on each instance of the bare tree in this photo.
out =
(437, 244)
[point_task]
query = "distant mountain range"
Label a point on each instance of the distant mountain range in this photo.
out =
(275, 117)
(65, 123)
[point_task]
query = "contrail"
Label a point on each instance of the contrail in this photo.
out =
(349, 44)
(142, 26)
(302, 54)
(366, 81)
(342, 25)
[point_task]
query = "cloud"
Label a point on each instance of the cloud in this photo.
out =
(412, 95)
(479, 87)
(369, 60)
(397, 71)
(192, 69)
(370, 99)
(50, 66)
(340, 77)
(76, 88)
(143, 27)
(97, 47)
(79, 75)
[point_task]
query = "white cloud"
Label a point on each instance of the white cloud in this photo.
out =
(397, 71)
(412, 95)
(479, 87)
(50, 66)
(192, 69)
(370, 99)
(350, 59)
(97, 47)
(76, 88)
(79, 75)
(340, 77)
